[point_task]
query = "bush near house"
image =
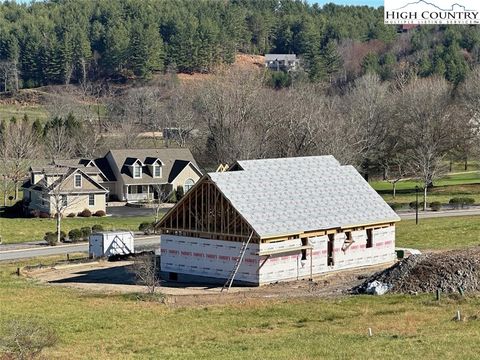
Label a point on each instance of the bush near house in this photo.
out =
(85, 213)
(71, 215)
(100, 213)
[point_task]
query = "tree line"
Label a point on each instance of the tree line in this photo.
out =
(406, 127)
(75, 41)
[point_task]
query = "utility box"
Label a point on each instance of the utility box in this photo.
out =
(111, 243)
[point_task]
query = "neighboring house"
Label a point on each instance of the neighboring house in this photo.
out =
(76, 188)
(138, 174)
(132, 174)
(282, 62)
(286, 219)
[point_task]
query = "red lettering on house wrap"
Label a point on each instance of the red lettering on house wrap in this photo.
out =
(186, 253)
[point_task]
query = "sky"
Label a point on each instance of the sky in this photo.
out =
(375, 3)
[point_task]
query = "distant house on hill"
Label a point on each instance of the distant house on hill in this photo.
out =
(125, 175)
(264, 221)
(282, 62)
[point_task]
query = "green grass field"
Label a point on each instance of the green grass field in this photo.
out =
(22, 230)
(33, 112)
(439, 233)
(455, 185)
(108, 326)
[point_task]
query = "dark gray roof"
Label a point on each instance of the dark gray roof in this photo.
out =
(292, 195)
(273, 57)
(104, 166)
(169, 157)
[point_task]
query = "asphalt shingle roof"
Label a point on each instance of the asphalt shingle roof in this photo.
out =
(168, 156)
(287, 196)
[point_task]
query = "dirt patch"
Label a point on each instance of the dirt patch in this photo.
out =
(447, 271)
(116, 277)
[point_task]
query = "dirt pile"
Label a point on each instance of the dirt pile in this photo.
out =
(446, 271)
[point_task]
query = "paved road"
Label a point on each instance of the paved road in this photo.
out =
(439, 214)
(140, 243)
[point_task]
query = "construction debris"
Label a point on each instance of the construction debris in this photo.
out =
(447, 272)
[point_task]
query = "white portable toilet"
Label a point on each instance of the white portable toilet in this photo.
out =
(109, 243)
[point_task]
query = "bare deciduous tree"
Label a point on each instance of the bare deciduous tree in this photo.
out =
(429, 128)
(146, 271)
(59, 196)
(20, 144)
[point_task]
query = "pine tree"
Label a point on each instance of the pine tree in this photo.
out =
(331, 59)
(145, 51)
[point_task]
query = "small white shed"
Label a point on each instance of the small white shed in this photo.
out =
(111, 243)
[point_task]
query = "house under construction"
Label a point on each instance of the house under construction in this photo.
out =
(271, 220)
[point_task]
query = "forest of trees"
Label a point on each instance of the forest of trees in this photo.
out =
(75, 41)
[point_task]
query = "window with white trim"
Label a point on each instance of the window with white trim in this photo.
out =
(188, 184)
(78, 180)
(91, 199)
(137, 171)
(64, 201)
(157, 170)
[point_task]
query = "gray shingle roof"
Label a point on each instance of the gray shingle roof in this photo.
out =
(288, 196)
(167, 156)
(273, 57)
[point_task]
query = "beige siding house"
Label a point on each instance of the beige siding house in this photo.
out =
(130, 175)
(140, 174)
(68, 189)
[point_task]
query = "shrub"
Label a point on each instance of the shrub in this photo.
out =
(100, 213)
(173, 198)
(71, 215)
(50, 238)
(413, 205)
(25, 339)
(75, 235)
(86, 232)
(146, 227)
(461, 202)
(43, 215)
(85, 213)
(97, 228)
(396, 206)
(35, 213)
(179, 192)
(16, 210)
(436, 205)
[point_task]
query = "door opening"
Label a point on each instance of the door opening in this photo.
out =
(330, 244)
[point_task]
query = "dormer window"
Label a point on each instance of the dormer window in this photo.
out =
(78, 181)
(157, 170)
(137, 171)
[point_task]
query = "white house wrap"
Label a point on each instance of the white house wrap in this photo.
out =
(304, 216)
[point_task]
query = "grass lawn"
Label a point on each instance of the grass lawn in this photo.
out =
(455, 185)
(439, 233)
(109, 326)
(22, 230)
(33, 111)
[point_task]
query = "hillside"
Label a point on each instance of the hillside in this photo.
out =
(63, 42)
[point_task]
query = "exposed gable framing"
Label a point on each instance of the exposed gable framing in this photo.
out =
(205, 212)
